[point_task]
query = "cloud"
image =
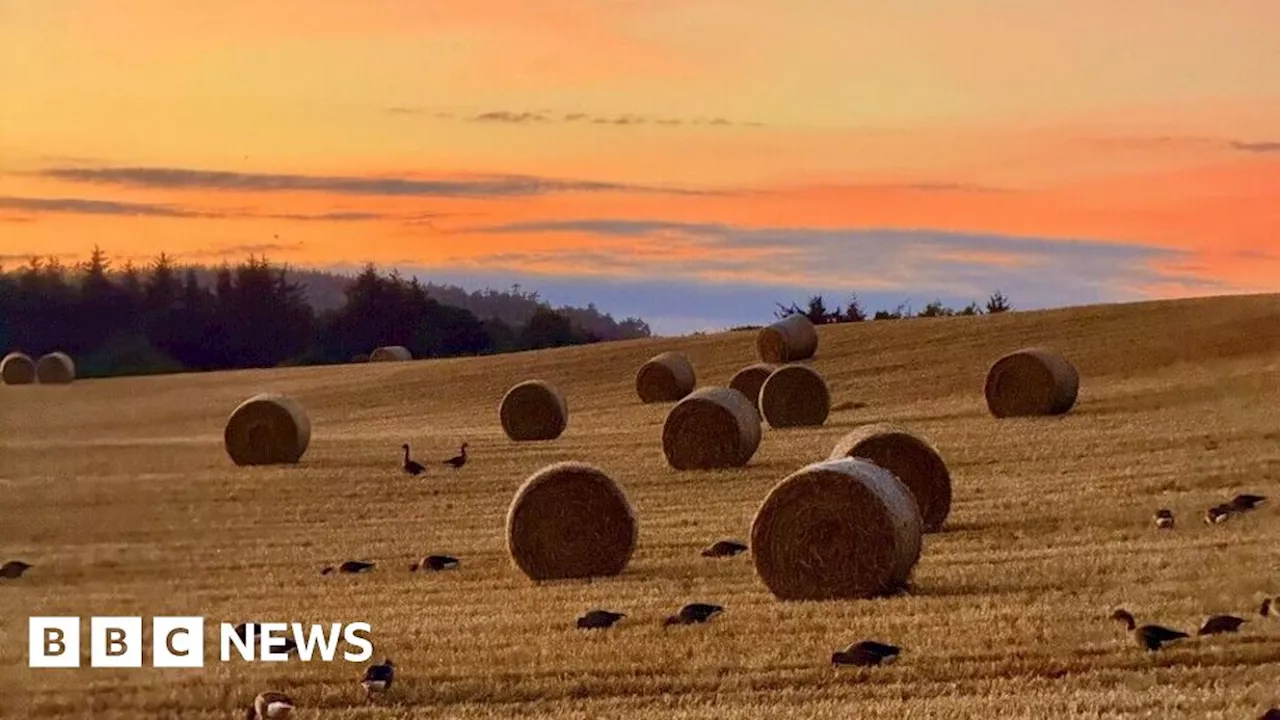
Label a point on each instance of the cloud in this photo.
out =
(248, 249)
(489, 186)
(1256, 147)
(919, 262)
(532, 117)
(81, 206)
(338, 216)
(506, 116)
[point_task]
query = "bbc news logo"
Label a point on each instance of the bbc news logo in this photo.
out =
(179, 642)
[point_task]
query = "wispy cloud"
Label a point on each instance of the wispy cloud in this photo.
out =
(82, 206)
(1256, 147)
(925, 263)
(488, 186)
(538, 117)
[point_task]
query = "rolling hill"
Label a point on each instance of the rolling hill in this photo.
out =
(120, 493)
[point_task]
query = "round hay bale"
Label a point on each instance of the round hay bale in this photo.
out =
(911, 458)
(56, 368)
(17, 369)
(837, 529)
(790, 339)
(749, 380)
(665, 377)
(533, 410)
(1031, 381)
(714, 427)
(267, 429)
(570, 520)
(795, 396)
(391, 353)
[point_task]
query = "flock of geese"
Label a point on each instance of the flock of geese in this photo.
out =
(378, 678)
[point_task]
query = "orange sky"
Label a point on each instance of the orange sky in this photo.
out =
(314, 132)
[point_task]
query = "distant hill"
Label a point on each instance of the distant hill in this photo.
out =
(326, 291)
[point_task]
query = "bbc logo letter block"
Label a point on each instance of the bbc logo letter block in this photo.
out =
(116, 642)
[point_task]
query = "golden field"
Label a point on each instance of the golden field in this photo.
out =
(121, 494)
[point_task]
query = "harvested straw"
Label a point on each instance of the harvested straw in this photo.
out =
(267, 429)
(795, 396)
(570, 520)
(750, 379)
(714, 427)
(17, 369)
(911, 458)
(1031, 381)
(665, 377)
(790, 339)
(533, 410)
(836, 529)
(391, 353)
(56, 368)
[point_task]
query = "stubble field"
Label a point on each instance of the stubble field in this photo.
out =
(121, 495)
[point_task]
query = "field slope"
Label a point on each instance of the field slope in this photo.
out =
(120, 493)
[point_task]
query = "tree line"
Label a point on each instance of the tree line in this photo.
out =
(818, 313)
(166, 318)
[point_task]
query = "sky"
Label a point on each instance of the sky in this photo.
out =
(692, 162)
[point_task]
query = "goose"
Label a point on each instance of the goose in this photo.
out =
(694, 613)
(242, 631)
(1151, 637)
(866, 653)
(597, 619)
(14, 569)
(271, 706)
(1220, 624)
(435, 562)
(1164, 519)
(1247, 501)
(1270, 714)
(724, 548)
(378, 678)
(350, 566)
(1266, 609)
(1217, 514)
(411, 467)
(458, 460)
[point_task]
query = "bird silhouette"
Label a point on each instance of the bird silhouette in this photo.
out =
(694, 613)
(866, 653)
(1217, 514)
(14, 569)
(597, 619)
(378, 678)
(350, 566)
(242, 631)
(1151, 637)
(435, 562)
(458, 460)
(1217, 624)
(1247, 501)
(411, 467)
(724, 548)
(271, 706)
(1164, 519)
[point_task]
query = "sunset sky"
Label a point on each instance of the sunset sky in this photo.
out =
(688, 161)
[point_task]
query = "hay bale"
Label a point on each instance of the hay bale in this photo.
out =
(836, 529)
(1031, 381)
(911, 458)
(533, 410)
(795, 396)
(391, 353)
(665, 377)
(570, 520)
(790, 339)
(267, 429)
(749, 380)
(714, 427)
(17, 369)
(56, 368)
